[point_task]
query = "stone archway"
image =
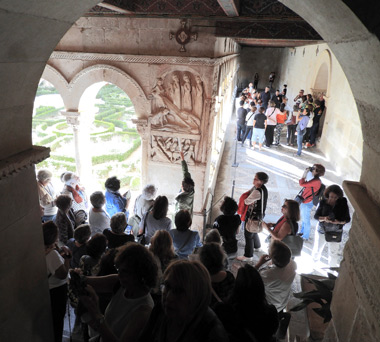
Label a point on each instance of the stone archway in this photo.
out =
(322, 74)
(23, 58)
(111, 74)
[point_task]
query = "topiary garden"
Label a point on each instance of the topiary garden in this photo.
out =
(115, 143)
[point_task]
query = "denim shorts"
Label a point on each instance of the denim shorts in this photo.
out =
(258, 133)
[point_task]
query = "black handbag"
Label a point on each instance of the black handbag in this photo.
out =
(299, 197)
(334, 236)
(294, 242)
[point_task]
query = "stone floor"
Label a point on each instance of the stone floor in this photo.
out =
(284, 170)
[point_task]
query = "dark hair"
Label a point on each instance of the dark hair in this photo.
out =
(140, 263)
(183, 220)
(82, 233)
(307, 110)
(241, 103)
(229, 206)
(263, 177)
(280, 253)
(107, 262)
(213, 257)
(282, 107)
(97, 199)
(50, 232)
(252, 103)
(112, 184)
(96, 246)
(118, 223)
(310, 107)
(293, 210)
(160, 207)
(261, 110)
(188, 184)
(161, 245)
(296, 108)
(320, 169)
(336, 189)
(63, 202)
(249, 289)
(311, 100)
(304, 98)
(317, 103)
(213, 236)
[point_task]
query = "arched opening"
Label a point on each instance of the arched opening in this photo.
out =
(111, 143)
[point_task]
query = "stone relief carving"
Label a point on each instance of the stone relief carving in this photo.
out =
(197, 92)
(177, 103)
(167, 149)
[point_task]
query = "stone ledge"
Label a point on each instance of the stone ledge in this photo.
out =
(111, 57)
(23, 160)
(367, 210)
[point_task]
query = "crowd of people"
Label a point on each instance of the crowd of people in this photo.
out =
(138, 275)
(261, 117)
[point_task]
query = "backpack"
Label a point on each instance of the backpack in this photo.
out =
(318, 196)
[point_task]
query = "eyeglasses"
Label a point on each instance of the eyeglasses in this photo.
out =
(284, 206)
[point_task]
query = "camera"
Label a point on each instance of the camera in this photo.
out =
(311, 168)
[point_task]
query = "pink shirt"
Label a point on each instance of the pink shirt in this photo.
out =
(271, 115)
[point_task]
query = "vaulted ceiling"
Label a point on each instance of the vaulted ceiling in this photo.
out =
(249, 22)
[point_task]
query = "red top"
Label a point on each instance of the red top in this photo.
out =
(242, 207)
(280, 223)
(281, 118)
(307, 194)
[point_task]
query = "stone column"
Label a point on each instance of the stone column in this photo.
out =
(81, 142)
(143, 129)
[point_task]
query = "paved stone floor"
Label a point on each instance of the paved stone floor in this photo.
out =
(284, 170)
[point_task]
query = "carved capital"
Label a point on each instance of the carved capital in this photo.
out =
(23, 160)
(72, 118)
(142, 127)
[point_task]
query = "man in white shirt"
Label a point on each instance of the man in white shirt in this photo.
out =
(278, 274)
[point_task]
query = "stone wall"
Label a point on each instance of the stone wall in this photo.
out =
(342, 139)
(95, 50)
(260, 60)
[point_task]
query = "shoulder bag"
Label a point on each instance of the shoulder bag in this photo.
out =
(294, 242)
(253, 225)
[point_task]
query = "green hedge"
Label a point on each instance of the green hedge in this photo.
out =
(46, 141)
(43, 111)
(63, 158)
(117, 156)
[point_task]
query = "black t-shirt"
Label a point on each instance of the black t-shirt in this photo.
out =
(265, 97)
(317, 116)
(260, 120)
(115, 240)
(227, 227)
(241, 114)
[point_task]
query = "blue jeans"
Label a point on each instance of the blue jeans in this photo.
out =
(305, 209)
(299, 141)
(46, 218)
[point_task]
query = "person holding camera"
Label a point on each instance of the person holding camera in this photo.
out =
(310, 187)
(332, 214)
(58, 264)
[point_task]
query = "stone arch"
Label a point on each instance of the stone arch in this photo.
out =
(322, 73)
(107, 73)
(53, 76)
